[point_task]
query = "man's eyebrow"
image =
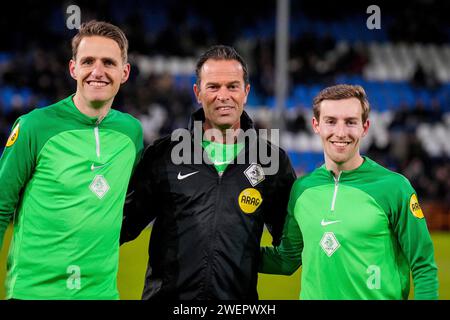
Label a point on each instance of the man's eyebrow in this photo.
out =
(228, 83)
(86, 58)
(352, 118)
(107, 59)
(112, 60)
(346, 118)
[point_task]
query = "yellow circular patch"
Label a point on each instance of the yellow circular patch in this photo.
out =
(13, 136)
(249, 200)
(415, 207)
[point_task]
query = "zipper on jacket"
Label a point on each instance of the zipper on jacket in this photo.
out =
(97, 140)
(97, 135)
(336, 187)
(206, 285)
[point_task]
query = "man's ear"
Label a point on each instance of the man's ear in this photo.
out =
(72, 64)
(315, 125)
(126, 72)
(196, 92)
(366, 126)
(247, 91)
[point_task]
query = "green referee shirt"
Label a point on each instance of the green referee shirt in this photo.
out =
(358, 236)
(63, 178)
(221, 154)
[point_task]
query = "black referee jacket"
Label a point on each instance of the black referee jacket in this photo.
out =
(206, 236)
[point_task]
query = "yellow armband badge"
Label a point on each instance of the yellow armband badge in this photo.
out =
(13, 136)
(415, 207)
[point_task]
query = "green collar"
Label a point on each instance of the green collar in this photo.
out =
(73, 110)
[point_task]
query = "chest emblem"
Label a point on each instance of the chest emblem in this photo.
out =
(99, 186)
(254, 174)
(329, 243)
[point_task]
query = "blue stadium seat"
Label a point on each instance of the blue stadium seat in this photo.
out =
(270, 102)
(290, 102)
(183, 81)
(425, 96)
(6, 96)
(301, 95)
(306, 161)
(5, 57)
(314, 90)
(254, 99)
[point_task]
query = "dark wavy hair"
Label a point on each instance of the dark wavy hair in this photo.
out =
(221, 52)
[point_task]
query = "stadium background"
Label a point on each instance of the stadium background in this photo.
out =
(404, 67)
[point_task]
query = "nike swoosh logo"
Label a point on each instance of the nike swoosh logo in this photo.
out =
(324, 223)
(184, 176)
(96, 167)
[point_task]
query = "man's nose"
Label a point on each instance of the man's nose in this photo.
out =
(98, 69)
(223, 94)
(340, 130)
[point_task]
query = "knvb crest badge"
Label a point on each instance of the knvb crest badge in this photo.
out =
(99, 186)
(254, 174)
(329, 243)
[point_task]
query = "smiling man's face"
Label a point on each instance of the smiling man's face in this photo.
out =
(99, 70)
(341, 129)
(222, 93)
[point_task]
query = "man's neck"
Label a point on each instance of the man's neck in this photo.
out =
(96, 109)
(337, 168)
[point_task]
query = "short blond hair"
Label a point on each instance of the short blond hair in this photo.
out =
(339, 92)
(101, 29)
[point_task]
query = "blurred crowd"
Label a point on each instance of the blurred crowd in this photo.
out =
(34, 66)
